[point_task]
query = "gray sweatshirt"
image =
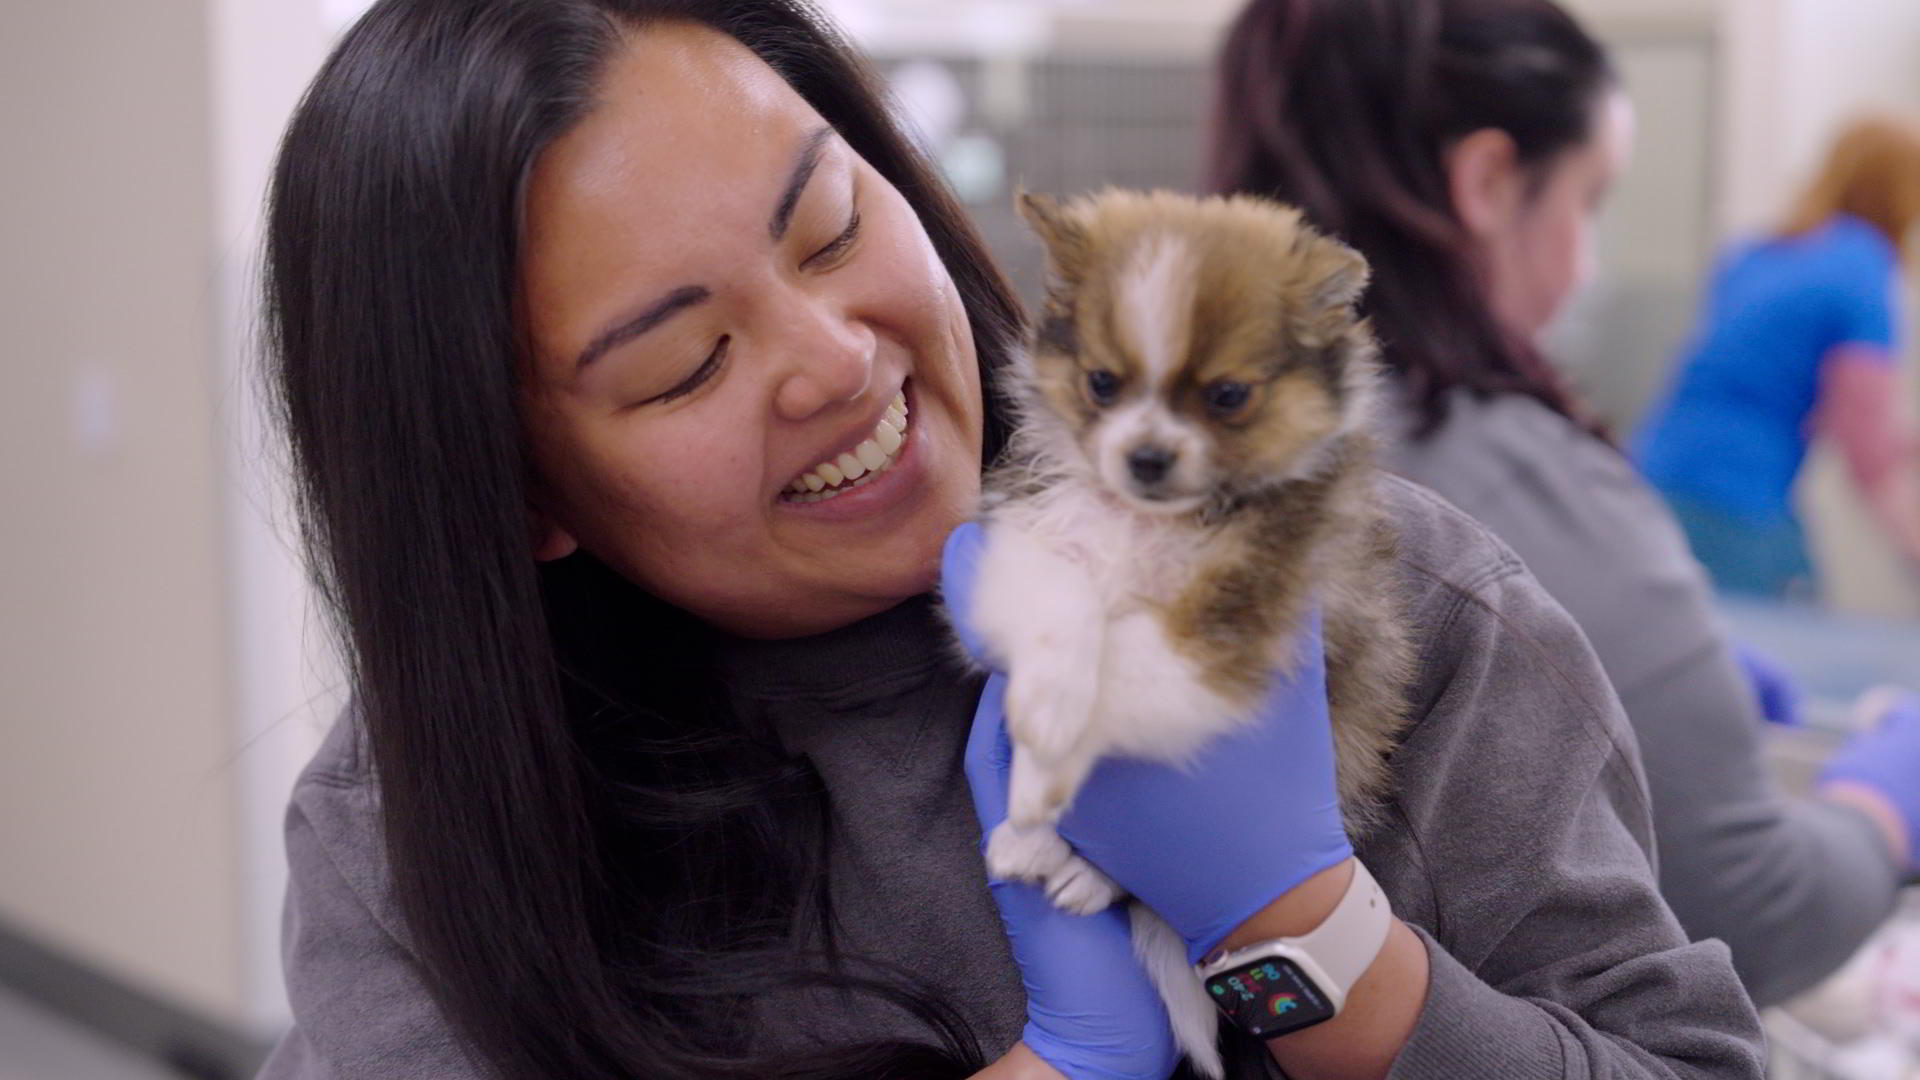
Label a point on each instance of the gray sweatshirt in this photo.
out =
(1517, 845)
(1793, 886)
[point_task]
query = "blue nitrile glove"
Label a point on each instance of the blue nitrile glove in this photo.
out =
(1091, 1013)
(1773, 688)
(1886, 758)
(1210, 843)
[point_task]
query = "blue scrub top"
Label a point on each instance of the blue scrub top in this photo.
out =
(1733, 429)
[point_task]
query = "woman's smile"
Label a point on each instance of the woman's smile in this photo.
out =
(870, 478)
(859, 464)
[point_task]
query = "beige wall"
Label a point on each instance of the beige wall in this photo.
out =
(117, 836)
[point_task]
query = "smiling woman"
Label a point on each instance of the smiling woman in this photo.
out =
(788, 297)
(636, 371)
(719, 280)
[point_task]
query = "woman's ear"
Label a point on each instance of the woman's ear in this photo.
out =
(1486, 182)
(550, 541)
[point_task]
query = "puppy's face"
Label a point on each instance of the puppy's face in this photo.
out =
(1194, 347)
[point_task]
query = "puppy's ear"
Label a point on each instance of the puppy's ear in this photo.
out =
(1064, 237)
(1335, 273)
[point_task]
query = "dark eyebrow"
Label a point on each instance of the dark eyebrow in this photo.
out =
(803, 166)
(685, 296)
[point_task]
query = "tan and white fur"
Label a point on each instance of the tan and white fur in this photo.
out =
(1159, 532)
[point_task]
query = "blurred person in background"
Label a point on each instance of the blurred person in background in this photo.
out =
(1799, 337)
(1464, 147)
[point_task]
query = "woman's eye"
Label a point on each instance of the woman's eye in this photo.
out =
(700, 375)
(1226, 398)
(837, 246)
(1103, 386)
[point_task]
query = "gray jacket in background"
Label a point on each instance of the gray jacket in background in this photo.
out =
(1793, 886)
(1515, 844)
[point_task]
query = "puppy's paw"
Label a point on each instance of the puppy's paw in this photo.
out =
(1077, 886)
(1026, 854)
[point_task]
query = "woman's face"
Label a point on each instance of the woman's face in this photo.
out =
(1539, 246)
(721, 296)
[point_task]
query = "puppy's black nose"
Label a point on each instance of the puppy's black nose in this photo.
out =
(1149, 464)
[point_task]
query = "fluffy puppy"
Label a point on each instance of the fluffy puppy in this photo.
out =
(1191, 474)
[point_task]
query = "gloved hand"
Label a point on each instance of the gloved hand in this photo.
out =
(1208, 843)
(1091, 1013)
(1774, 689)
(1886, 759)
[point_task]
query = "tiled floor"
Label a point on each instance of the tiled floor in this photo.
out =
(39, 1045)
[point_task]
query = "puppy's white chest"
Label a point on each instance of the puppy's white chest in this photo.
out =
(1071, 598)
(1132, 561)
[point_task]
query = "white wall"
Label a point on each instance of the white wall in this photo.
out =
(117, 815)
(155, 659)
(1795, 68)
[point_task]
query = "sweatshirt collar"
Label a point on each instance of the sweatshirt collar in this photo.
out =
(883, 653)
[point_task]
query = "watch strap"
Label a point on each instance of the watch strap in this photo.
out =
(1341, 948)
(1346, 942)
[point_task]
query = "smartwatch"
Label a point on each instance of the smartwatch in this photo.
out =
(1274, 988)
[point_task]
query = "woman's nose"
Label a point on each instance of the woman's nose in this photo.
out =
(827, 359)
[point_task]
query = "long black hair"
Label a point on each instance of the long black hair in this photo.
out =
(597, 864)
(1347, 108)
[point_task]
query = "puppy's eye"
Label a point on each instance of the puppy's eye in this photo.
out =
(1103, 386)
(1226, 398)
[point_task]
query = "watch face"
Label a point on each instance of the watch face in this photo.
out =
(1269, 997)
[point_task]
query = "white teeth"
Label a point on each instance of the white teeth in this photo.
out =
(837, 492)
(860, 465)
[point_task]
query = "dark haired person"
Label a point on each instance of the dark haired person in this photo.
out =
(1463, 146)
(658, 762)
